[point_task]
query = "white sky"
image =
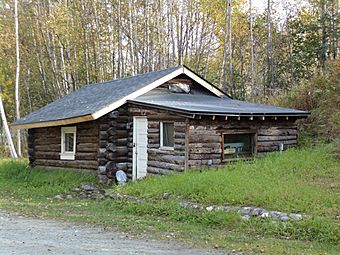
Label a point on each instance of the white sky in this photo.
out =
(282, 7)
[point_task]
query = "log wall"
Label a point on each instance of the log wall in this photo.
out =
(205, 137)
(44, 147)
(162, 161)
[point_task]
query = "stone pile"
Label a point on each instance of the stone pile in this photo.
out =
(246, 211)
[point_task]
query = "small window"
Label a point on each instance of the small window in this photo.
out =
(167, 133)
(68, 143)
(179, 88)
(237, 145)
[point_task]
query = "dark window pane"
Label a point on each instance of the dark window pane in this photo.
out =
(238, 145)
(168, 134)
(68, 142)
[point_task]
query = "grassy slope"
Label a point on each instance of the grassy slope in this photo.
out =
(305, 181)
(298, 181)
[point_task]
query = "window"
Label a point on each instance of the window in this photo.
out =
(238, 145)
(167, 133)
(68, 143)
(179, 88)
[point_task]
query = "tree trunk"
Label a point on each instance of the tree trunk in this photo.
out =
(224, 66)
(270, 63)
(252, 88)
(5, 125)
(323, 24)
(232, 89)
(17, 74)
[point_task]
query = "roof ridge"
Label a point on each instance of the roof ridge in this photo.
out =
(132, 76)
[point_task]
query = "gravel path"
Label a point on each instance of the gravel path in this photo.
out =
(23, 235)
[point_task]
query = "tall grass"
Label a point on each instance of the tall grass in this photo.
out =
(304, 180)
(18, 179)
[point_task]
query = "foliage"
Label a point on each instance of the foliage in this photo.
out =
(321, 96)
(268, 182)
(314, 171)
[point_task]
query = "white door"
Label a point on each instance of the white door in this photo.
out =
(140, 153)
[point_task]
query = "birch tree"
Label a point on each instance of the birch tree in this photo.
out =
(252, 87)
(232, 89)
(6, 129)
(17, 74)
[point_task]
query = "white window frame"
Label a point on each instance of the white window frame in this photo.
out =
(68, 155)
(161, 136)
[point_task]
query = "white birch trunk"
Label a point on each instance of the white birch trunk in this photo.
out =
(232, 90)
(252, 88)
(17, 74)
(5, 126)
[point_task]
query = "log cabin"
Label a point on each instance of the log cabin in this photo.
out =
(160, 122)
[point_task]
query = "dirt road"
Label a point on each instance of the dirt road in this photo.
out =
(23, 235)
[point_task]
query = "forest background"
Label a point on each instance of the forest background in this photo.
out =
(285, 54)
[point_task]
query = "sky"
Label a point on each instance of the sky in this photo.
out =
(280, 6)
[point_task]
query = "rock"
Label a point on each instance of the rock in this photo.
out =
(265, 214)
(209, 208)
(102, 170)
(295, 216)
(284, 218)
(245, 210)
(82, 195)
(88, 188)
(76, 190)
(256, 212)
(69, 197)
(166, 195)
(275, 214)
(59, 197)
(103, 178)
(113, 196)
(245, 217)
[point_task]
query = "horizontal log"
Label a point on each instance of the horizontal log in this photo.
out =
(87, 139)
(50, 147)
(153, 130)
(205, 145)
(104, 126)
(165, 165)
(165, 152)
(87, 147)
(153, 125)
(155, 170)
(277, 132)
(103, 135)
(205, 138)
(173, 159)
(276, 138)
(80, 164)
(205, 150)
(202, 163)
(102, 144)
(86, 155)
(205, 156)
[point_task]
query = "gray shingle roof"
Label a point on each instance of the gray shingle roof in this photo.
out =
(212, 105)
(92, 98)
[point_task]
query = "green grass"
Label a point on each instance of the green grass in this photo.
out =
(305, 180)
